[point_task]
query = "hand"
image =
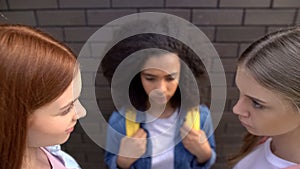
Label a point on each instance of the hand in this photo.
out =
(132, 148)
(196, 143)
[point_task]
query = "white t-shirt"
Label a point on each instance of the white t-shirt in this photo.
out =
(162, 134)
(263, 158)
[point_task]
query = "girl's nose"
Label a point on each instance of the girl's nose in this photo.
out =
(80, 110)
(240, 108)
(162, 86)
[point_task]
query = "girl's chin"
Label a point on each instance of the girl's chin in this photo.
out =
(159, 101)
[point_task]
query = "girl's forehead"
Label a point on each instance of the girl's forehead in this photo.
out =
(164, 62)
(247, 84)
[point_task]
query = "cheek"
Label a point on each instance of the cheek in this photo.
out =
(284, 124)
(50, 125)
(173, 86)
(147, 86)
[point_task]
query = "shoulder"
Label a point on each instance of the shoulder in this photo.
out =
(204, 112)
(256, 159)
(61, 156)
(204, 109)
(116, 116)
(117, 121)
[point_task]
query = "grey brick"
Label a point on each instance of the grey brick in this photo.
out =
(229, 117)
(245, 3)
(217, 17)
(101, 17)
(137, 3)
(269, 17)
(78, 34)
(3, 18)
(100, 80)
(32, 4)
(275, 28)
(230, 78)
(61, 18)
(286, 3)
(233, 92)
(182, 13)
(105, 93)
(208, 31)
(235, 128)
(231, 139)
(83, 3)
(239, 34)
(19, 17)
(87, 78)
(228, 106)
(229, 64)
(191, 3)
(3, 4)
(226, 49)
(243, 47)
(75, 47)
(298, 17)
(57, 33)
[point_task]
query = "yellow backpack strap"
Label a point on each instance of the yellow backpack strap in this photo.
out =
(192, 118)
(131, 125)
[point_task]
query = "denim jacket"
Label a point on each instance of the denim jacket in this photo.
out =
(183, 159)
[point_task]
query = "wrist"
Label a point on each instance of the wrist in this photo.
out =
(124, 162)
(204, 156)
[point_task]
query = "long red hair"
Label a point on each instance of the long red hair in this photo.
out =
(35, 69)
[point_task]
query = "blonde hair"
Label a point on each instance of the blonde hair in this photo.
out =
(274, 63)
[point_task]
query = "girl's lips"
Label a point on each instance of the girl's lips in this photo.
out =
(245, 125)
(70, 130)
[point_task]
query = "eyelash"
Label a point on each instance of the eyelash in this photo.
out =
(149, 79)
(257, 105)
(152, 79)
(68, 110)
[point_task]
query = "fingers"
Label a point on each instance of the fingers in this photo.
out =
(141, 133)
(188, 134)
(185, 130)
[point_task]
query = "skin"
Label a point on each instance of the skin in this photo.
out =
(264, 112)
(160, 76)
(53, 123)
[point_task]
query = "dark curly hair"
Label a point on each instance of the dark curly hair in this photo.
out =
(130, 45)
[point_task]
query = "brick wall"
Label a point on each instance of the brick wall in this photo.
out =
(230, 24)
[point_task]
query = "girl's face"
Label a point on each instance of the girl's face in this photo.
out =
(261, 111)
(160, 77)
(53, 123)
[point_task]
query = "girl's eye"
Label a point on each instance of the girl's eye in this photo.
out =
(149, 78)
(256, 105)
(170, 78)
(68, 110)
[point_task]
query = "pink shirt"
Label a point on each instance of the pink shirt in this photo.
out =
(55, 163)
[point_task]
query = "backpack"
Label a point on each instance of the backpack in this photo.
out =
(192, 119)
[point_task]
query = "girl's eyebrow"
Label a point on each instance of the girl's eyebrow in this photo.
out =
(69, 104)
(149, 74)
(255, 99)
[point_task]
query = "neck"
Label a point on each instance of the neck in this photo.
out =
(287, 146)
(35, 158)
(161, 111)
